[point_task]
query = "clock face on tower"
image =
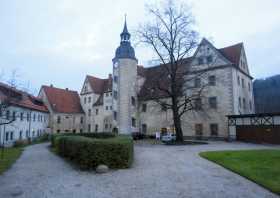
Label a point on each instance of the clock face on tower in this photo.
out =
(116, 64)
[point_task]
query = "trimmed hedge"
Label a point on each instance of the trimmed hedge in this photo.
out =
(89, 152)
(90, 135)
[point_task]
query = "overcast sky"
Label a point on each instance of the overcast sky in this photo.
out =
(60, 41)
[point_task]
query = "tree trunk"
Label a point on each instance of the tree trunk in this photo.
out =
(177, 120)
(178, 128)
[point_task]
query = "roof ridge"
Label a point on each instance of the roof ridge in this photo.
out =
(52, 87)
(96, 77)
(240, 43)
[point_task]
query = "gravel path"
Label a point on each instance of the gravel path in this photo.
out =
(158, 172)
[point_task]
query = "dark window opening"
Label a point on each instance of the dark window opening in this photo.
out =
(214, 129)
(213, 102)
(144, 107)
(212, 80)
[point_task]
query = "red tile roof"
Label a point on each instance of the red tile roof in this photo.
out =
(99, 85)
(232, 53)
(62, 100)
(21, 99)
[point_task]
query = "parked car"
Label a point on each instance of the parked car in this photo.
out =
(168, 137)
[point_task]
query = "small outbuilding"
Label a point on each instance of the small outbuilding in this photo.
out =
(257, 128)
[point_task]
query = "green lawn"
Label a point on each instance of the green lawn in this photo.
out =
(260, 166)
(9, 157)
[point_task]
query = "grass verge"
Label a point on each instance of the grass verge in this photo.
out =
(260, 166)
(10, 155)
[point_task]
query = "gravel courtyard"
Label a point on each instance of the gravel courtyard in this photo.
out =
(158, 172)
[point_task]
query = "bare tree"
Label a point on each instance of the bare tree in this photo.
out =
(170, 34)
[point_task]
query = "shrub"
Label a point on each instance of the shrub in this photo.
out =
(88, 152)
(21, 143)
(138, 136)
(90, 135)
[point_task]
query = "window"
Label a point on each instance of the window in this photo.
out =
(28, 116)
(81, 130)
(58, 130)
(115, 95)
(200, 60)
(243, 84)
(238, 80)
(249, 86)
(38, 118)
(89, 128)
(89, 99)
(144, 107)
(34, 117)
(58, 119)
(20, 135)
(197, 82)
(21, 116)
(7, 136)
(26, 133)
(115, 115)
(209, 59)
(33, 133)
(89, 112)
(107, 107)
(96, 111)
(115, 79)
(212, 80)
(12, 135)
(85, 100)
(14, 115)
(144, 128)
(111, 107)
(96, 128)
(133, 101)
(244, 103)
(106, 126)
(214, 129)
(239, 102)
(82, 120)
(133, 122)
(163, 107)
(7, 114)
(198, 104)
(74, 130)
(198, 129)
(213, 102)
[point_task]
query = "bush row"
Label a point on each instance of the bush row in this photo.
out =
(87, 152)
(90, 135)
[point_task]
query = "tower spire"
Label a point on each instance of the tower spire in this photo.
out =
(125, 50)
(125, 36)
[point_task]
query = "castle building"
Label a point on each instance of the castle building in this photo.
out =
(123, 103)
(66, 113)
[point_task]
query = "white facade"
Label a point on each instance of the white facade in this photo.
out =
(28, 124)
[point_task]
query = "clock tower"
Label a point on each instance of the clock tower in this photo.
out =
(125, 85)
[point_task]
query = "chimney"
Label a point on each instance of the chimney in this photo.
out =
(110, 76)
(51, 85)
(66, 89)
